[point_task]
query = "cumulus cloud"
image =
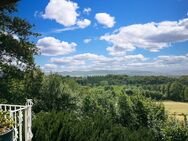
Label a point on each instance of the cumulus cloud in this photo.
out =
(86, 41)
(150, 36)
(87, 10)
(65, 13)
(172, 59)
(62, 11)
(50, 66)
(66, 61)
(83, 23)
(105, 19)
(80, 24)
(50, 46)
(90, 61)
(163, 63)
(79, 57)
(89, 56)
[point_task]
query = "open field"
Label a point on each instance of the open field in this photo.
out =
(177, 108)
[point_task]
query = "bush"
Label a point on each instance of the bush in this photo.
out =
(69, 127)
(6, 122)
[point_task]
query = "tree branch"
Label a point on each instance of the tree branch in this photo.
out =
(4, 3)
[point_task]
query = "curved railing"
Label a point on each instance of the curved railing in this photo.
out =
(22, 116)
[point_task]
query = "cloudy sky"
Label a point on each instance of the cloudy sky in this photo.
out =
(81, 35)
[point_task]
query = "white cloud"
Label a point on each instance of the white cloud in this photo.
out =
(90, 61)
(62, 11)
(86, 41)
(83, 23)
(137, 57)
(87, 10)
(50, 66)
(105, 19)
(89, 56)
(79, 58)
(66, 61)
(66, 29)
(172, 59)
(150, 36)
(165, 64)
(80, 24)
(65, 13)
(50, 46)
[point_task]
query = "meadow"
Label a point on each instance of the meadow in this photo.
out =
(176, 109)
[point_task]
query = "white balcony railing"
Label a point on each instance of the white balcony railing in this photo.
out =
(22, 116)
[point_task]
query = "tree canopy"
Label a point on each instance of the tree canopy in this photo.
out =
(16, 50)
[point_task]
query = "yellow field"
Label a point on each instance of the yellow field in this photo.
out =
(177, 108)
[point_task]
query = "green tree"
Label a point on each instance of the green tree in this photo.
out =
(126, 113)
(16, 54)
(33, 82)
(16, 50)
(55, 94)
(176, 91)
(186, 94)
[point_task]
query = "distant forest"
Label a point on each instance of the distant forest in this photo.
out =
(155, 87)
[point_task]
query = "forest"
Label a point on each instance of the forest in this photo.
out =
(100, 107)
(93, 108)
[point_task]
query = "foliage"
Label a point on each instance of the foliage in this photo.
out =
(68, 127)
(16, 55)
(175, 131)
(16, 51)
(55, 94)
(155, 87)
(6, 122)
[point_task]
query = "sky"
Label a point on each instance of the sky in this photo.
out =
(88, 35)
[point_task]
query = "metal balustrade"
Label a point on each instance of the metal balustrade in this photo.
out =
(22, 117)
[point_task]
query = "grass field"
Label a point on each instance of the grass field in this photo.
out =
(177, 108)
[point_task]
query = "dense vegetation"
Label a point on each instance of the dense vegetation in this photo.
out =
(66, 110)
(156, 87)
(98, 108)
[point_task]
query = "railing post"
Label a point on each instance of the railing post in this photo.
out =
(20, 125)
(28, 120)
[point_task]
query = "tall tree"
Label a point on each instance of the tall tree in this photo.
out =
(16, 53)
(16, 50)
(176, 91)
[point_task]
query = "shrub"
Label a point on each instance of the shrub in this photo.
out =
(6, 122)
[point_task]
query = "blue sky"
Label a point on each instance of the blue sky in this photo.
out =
(109, 34)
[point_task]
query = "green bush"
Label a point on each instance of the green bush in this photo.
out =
(69, 127)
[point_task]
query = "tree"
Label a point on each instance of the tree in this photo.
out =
(16, 50)
(7, 2)
(186, 94)
(55, 94)
(176, 91)
(16, 53)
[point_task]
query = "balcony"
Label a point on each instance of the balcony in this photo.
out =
(22, 117)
